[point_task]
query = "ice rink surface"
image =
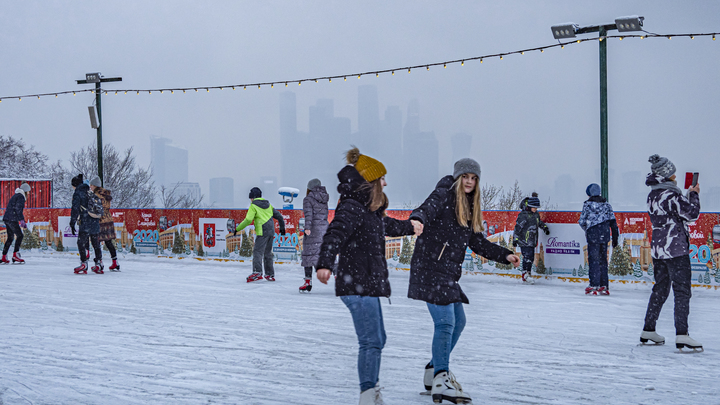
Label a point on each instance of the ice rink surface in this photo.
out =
(169, 331)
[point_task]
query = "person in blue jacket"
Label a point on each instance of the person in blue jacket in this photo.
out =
(14, 221)
(598, 222)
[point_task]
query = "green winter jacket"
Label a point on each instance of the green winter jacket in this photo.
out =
(261, 211)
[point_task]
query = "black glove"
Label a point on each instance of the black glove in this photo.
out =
(614, 243)
(72, 228)
(547, 231)
(282, 232)
(514, 243)
(234, 232)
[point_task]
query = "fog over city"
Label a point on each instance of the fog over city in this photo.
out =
(534, 118)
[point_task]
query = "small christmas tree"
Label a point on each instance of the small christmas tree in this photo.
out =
(502, 266)
(637, 269)
(407, 250)
(707, 277)
(27, 242)
(619, 262)
(133, 250)
(178, 243)
(59, 247)
(200, 250)
(246, 247)
(541, 269)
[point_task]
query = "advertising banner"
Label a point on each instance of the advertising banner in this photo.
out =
(213, 235)
(69, 240)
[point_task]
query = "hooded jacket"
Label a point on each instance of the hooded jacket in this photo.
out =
(436, 264)
(79, 211)
(15, 207)
(315, 209)
(358, 235)
(526, 227)
(670, 213)
(598, 221)
(260, 212)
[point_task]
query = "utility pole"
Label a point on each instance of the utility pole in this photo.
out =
(98, 79)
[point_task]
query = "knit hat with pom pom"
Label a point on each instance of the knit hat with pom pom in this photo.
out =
(661, 166)
(371, 169)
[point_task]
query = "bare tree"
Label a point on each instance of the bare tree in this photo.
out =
(173, 198)
(17, 160)
(488, 194)
(131, 185)
(510, 200)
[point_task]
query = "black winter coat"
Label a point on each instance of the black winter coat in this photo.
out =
(436, 264)
(15, 207)
(79, 211)
(358, 235)
(526, 228)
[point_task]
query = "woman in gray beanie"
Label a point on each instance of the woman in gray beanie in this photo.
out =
(14, 221)
(315, 208)
(452, 219)
(670, 212)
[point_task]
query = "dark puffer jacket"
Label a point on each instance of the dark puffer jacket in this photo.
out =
(315, 208)
(526, 227)
(15, 207)
(79, 213)
(107, 224)
(358, 235)
(436, 264)
(670, 213)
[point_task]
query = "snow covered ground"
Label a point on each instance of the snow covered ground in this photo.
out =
(190, 332)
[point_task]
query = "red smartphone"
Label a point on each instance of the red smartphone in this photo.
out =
(691, 179)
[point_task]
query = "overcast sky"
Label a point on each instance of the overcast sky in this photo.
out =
(534, 118)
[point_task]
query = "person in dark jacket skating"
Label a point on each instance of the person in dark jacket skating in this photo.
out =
(358, 233)
(670, 212)
(315, 209)
(526, 234)
(452, 220)
(14, 222)
(89, 226)
(261, 213)
(107, 224)
(598, 221)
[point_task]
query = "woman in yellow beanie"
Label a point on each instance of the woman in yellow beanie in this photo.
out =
(358, 233)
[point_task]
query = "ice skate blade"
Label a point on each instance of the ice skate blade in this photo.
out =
(648, 342)
(439, 398)
(685, 349)
(426, 393)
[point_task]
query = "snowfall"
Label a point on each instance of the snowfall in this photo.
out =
(172, 331)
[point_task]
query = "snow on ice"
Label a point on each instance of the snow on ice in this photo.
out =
(191, 332)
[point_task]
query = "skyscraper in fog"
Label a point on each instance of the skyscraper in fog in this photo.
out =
(222, 192)
(368, 136)
(420, 156)
(169, 163)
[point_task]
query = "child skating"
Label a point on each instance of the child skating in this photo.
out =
(526, 234)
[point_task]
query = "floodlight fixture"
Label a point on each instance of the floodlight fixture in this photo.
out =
(93, 118)
(566, 30)
(92, 77)
(629, 23)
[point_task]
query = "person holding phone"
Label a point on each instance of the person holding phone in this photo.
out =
(670, 212)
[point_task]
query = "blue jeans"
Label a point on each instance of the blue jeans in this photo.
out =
(598, 263)
(370, 329)
(449, 323)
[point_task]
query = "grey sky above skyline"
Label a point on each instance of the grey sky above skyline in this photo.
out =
(534, 118)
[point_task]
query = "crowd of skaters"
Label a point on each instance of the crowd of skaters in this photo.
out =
(448, 222)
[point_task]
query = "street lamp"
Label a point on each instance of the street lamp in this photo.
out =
(97, 79)
(570, 30)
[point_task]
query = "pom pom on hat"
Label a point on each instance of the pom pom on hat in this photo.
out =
(370, 169)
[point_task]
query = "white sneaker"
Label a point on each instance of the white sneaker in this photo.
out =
(446, 388)
(651, 336)
(373, 396)
(685, 341)
(428, 378)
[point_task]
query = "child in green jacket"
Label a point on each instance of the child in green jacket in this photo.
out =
(261, 212)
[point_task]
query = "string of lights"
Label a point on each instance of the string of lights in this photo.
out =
(359, 75)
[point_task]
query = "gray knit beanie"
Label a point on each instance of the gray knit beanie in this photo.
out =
(96, 182)
(313, 183)
(25, 187)
(662, 166)
(466, 165)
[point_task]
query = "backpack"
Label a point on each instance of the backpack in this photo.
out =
(95, 205)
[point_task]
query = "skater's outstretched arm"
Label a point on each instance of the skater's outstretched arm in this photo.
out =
(491, 251)
(249, 218)
(281, 222)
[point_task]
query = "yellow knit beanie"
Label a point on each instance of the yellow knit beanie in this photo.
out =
(371, 169)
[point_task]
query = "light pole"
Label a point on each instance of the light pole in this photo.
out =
(570, 30)
(97, 79)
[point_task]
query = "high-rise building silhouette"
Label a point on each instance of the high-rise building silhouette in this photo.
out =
(222, 192)
(420, 156)
(169, 163)
(368, 136)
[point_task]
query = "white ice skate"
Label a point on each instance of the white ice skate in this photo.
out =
(686, 344)
(373, 396)
(446, 388)
(428, 380)
(651, 338)
(527, 278)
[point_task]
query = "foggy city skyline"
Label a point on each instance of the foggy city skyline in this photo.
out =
(533, 118)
